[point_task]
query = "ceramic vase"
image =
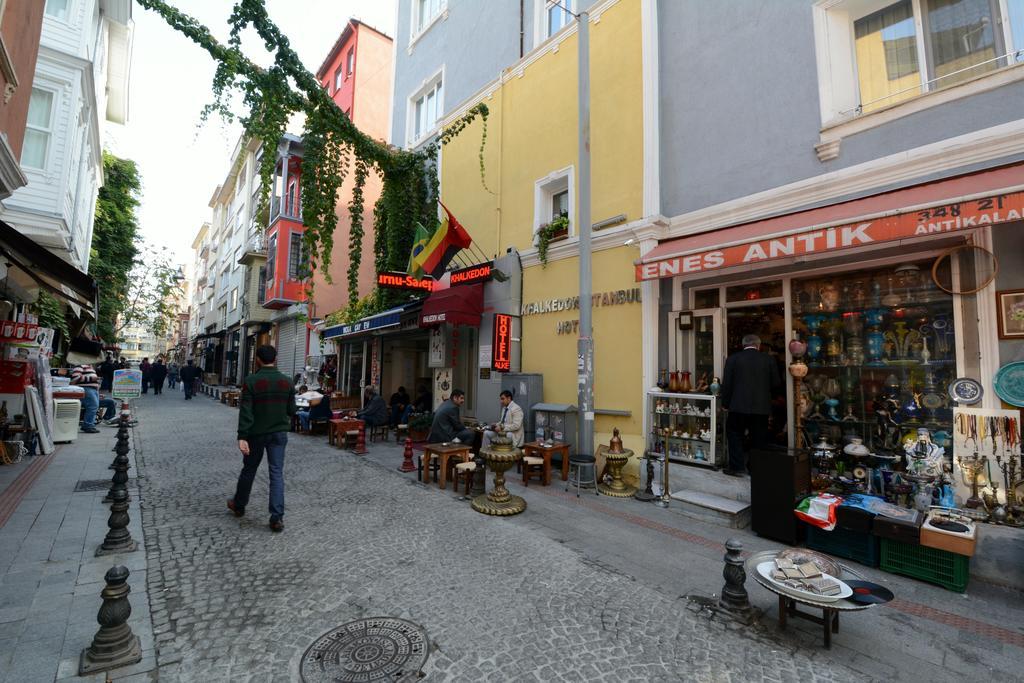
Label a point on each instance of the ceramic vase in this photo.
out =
(685, 386)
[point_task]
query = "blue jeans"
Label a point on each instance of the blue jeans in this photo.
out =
(303, 416)
(274, 444)
(189, 388)
(90, 402)
(109, 406)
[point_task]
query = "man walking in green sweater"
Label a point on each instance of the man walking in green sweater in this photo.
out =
(264, 418)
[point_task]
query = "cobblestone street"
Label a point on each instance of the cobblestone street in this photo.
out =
(499, 602)
(500, 599)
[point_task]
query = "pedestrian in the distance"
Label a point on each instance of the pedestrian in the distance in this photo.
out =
(106, 371)
(172, 375)
(157, 375)
(264, 418)
(749, 380)
(146, 377)
(189, 375)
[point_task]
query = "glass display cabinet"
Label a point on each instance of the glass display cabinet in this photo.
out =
(685, 427)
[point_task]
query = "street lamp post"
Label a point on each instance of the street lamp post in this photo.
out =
(585, 343)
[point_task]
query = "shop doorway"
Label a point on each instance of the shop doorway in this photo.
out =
(768, 322)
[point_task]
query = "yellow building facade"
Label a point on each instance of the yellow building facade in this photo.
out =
(529, 166)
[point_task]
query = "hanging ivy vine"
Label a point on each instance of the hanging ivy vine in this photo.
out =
(332, 144)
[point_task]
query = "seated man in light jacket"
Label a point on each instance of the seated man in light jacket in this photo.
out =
(511, 422)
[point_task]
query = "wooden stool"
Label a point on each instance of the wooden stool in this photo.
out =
(401, 433)
(379, 432)
(435, 465)
(351, 438)
(533, 466)
(465, 471)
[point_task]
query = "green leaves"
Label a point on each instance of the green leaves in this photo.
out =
(331, 145)
(114, 242)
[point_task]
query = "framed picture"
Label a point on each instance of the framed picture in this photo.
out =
(1010, 303)
(685, 320)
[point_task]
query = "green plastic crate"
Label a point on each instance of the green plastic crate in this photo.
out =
(853, 545)
(941, 567)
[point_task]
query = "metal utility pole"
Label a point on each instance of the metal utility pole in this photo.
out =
(585, 343)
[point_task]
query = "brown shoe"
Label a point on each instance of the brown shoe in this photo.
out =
(276, 525)
(235, 509)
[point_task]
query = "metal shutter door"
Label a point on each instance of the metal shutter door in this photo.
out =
(287, 355)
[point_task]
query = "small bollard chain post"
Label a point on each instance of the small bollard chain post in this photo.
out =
(647, 495)
(114, 644)
(119, 482)
(479, 486)
(734, 594)
(118, 538)
(407, 464)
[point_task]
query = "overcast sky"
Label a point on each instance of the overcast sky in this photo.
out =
(180, 161)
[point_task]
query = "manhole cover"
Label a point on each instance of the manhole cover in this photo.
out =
(376, 649)
(93, 485)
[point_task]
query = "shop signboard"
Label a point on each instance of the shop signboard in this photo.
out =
(394, 280)
(127, 384)
(376, 322)
(501, 344)
(481, 272)
(909, 225)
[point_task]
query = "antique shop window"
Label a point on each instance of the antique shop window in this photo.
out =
(754, 291)
(881, 350)
(706, 298)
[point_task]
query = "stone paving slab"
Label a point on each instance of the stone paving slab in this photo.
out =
(50, 578)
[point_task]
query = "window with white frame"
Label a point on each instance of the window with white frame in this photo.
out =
(38, 129)
(425, 109)
(339, 76)
(424, 12)
(553, 197)
(57, 9)
(557, 15)
(876, 53)
(234, 299)
(297, 269)
(350, 61)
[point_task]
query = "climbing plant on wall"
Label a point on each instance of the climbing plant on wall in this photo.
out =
(332, 144)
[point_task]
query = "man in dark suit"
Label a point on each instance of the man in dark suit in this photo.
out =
(751, 377)
(447, 424)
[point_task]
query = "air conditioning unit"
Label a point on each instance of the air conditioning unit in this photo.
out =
(65, 419)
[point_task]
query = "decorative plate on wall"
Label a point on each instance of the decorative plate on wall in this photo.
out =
(966, 390)
(1009, 383)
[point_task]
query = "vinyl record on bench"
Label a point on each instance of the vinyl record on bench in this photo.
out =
(867, 593)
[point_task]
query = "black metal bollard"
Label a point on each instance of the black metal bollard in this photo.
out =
(479, 486)
(121, 465)
(118, 538)
(647, 495)
(114, 644)
(734, 595)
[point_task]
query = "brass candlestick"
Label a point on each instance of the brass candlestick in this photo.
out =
(970, 470)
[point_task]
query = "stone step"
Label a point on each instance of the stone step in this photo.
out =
(707, 507)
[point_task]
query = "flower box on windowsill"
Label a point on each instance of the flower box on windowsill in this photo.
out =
(559, 235)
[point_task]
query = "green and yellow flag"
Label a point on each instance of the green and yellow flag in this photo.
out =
(419, 243)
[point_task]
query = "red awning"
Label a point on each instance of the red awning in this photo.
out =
(460, 305)
(730, 246)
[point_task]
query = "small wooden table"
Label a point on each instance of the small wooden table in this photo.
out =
(443, 452)
(536, 448)
(337, 427)
(829, 619)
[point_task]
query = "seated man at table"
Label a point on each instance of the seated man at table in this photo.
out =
(318, 407)
(401, 406)
(375, 411)
(511, 422)
(447, 426)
